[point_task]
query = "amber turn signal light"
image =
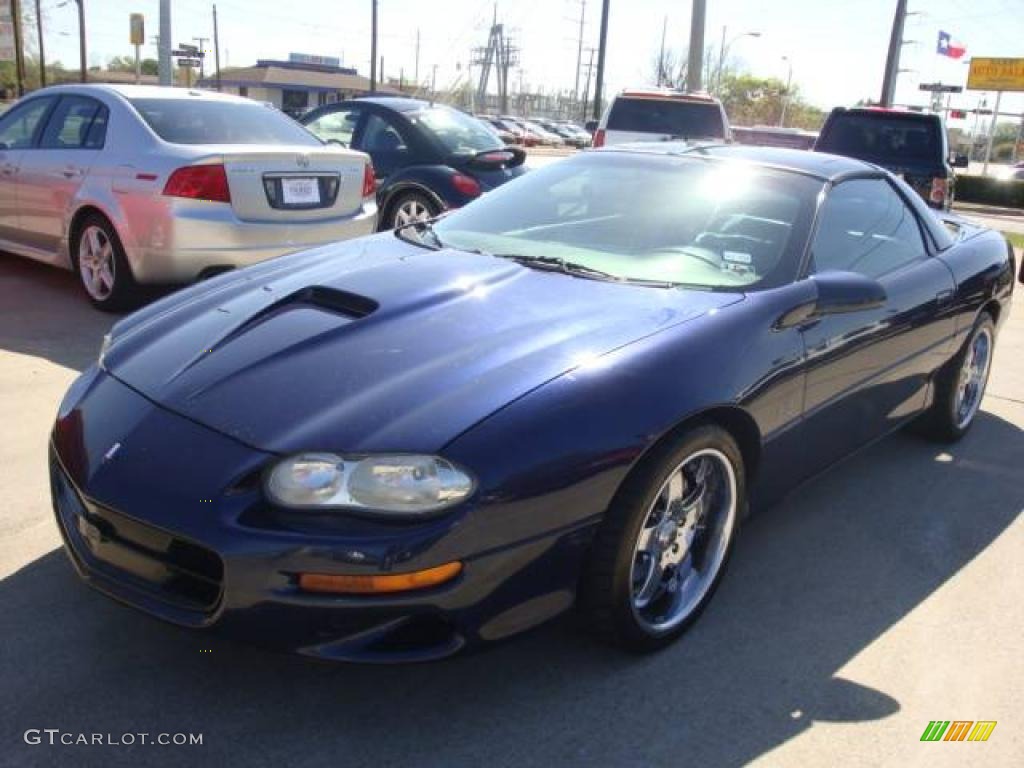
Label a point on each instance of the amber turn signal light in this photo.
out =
(379, 584)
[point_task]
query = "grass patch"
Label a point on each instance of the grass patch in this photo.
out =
(1015, 238)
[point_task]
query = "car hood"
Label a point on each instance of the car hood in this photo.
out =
(377, 344)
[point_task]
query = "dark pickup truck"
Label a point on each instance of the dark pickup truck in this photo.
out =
(910, 144)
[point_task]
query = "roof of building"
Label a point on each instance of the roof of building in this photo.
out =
(274, 75)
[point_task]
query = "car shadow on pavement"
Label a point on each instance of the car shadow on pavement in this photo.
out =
(814, 581)
(45, 314)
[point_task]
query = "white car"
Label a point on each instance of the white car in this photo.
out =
(129, 185)
(659, 114)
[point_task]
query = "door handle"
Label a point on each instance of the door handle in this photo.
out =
(944, 297)
(8, 169)
(71, 171)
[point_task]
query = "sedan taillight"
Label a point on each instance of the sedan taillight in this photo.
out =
(599, 137)
(939, 190)
(369, 181)
(199, 182)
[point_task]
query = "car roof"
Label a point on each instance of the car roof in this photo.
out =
(885, 112)
(144, 92)
(397, 103)
(818, 164)
(669, 94)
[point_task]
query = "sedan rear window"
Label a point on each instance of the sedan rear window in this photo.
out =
(883, 138)
(459, 134)
(202, 121)
(682, 119)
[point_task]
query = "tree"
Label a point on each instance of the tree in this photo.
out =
(127, 64)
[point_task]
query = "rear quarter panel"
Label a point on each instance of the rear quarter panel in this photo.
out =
(984, 270)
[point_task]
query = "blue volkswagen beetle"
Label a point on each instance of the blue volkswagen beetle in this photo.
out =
(569, 392)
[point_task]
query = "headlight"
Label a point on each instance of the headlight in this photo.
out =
(104, 347)
(391, 484)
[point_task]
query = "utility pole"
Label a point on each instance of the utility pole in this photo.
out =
(433, 83)
(602, 45)
(416, 72)
(789, 85)
(42, 50)
(81, 40)
(216, 48)
(661, 56)
(19, 50)
(579, 51)
(892, 61)
(991, 133)
(696, 54)
(586, 88)
(164, 49)
(373, 47)
(202, 58)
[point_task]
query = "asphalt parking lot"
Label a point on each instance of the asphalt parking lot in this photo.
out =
(883, 595)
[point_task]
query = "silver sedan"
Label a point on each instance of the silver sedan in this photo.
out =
(130, 185)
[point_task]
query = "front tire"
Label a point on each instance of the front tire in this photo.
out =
(960, 386)
(662, 549)
(99, 262)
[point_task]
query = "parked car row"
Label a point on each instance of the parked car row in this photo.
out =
(538, 131)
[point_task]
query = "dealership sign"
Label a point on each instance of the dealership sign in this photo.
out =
(996, 75)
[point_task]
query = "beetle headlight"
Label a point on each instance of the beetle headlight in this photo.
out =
(388, 484)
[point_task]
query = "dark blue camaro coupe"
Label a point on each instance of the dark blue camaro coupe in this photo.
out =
(572, 390)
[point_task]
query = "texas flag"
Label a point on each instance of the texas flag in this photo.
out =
(949, 47)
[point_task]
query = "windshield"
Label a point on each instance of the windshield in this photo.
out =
(686, 119)
(896, 139)
(690, 220)
(458, 133)
(205, 121)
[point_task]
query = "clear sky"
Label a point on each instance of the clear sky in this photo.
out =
(837, 46)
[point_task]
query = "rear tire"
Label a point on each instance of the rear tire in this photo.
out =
(408, 207)
(99, 263)
(960, 386)
(663, 546)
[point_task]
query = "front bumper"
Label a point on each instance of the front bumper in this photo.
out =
(171, 523)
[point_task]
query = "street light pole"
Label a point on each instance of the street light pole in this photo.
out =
(602, 45)
(81, 39)
(373, 46)
(723, 51)
(789, 85)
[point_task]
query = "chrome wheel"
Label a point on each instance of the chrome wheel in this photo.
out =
(684, 540)
(410, 211)
(973, 377)
(96, 264)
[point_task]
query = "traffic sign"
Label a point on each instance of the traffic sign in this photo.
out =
(137, 29)
(958, 114)
(940, 88)
(194, 53)
(190, 63)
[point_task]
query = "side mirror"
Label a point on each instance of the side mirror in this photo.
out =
(835, 293)
(959, 160)
(591, 126)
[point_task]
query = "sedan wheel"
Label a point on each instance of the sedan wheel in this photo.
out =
(96, 265)
(666, 538)
(98, 258)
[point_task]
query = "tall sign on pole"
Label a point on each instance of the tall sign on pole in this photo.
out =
(166, 75)
(695, 61)
(997, 75)
(137, 36)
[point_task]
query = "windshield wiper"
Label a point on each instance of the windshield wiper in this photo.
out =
(422, 228)
(558, 264)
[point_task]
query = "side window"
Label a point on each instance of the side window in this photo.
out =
(337, 125)
(19, 125)
(866, 227)
(97, 135)
(68, 126)
(382, 136)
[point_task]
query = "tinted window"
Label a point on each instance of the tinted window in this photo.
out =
(69, 125)
(337, 125)
(19, 125)
(866, 227)
(381, 136)
(884, 138)
(459, 134)
(688, 220)
(684, 119)
(205, 121)
(98, 130)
